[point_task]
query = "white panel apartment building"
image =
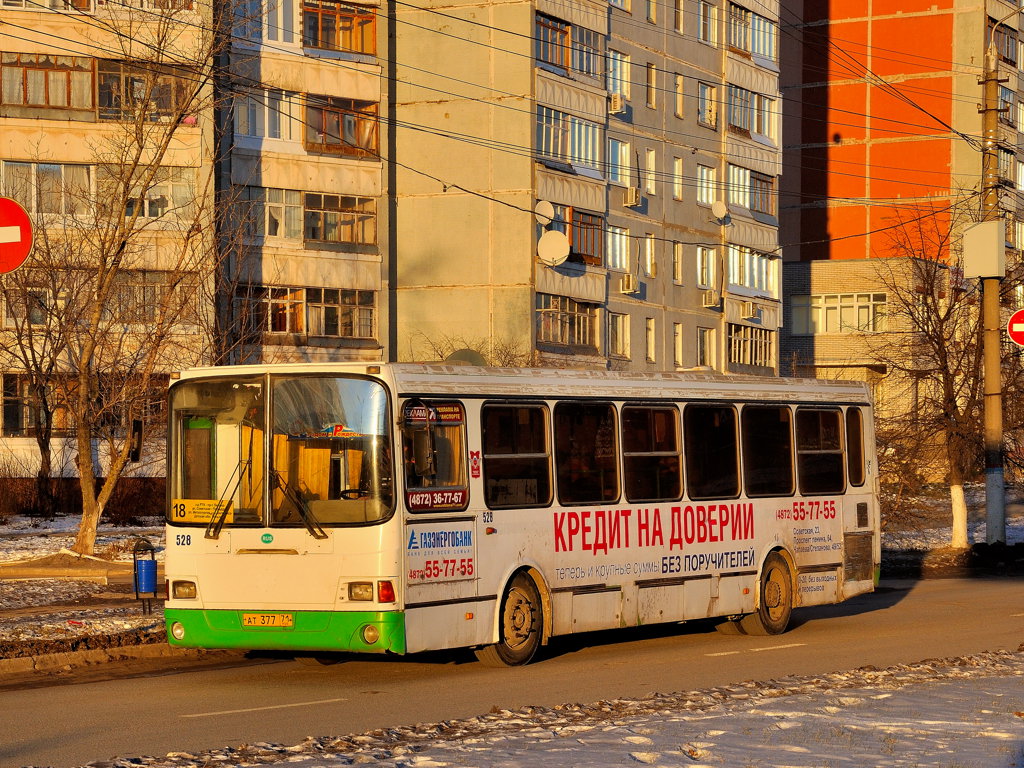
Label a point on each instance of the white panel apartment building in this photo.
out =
(652, 127)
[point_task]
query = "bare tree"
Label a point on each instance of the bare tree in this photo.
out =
(932, 352)
(111, 298)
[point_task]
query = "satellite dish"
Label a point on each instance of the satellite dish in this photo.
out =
(553, 248)
(544, 212)
(465, 356)
(719, 209)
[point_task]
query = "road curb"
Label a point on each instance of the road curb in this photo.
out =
(50, 663)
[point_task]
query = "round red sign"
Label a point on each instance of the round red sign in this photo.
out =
(15, 235)
(1015, 327)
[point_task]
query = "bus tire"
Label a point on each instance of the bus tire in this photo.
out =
(520, 624)
(775, 603)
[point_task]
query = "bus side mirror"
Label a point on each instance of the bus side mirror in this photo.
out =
(135, 441)
(423, 452)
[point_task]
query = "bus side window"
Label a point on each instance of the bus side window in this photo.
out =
(586, 453)
(712, 451)
(855, 445)
(434, 451)
(819, 450)
(767, 450)
(517, 459)
(651, 461)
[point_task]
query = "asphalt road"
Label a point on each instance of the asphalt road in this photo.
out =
(283, 701)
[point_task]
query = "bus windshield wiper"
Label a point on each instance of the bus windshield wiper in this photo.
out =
(224, 503)
(305, 513)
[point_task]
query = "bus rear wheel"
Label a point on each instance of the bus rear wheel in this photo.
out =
(775, 605)
(519, 626)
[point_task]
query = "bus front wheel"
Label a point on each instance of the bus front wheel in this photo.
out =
(776, 599)
(519, 626)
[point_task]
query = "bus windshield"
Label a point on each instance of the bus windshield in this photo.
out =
(320, 455)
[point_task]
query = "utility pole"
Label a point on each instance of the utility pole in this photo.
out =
(995, 492)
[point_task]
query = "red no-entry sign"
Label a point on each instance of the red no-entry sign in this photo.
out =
(1015, 327)
(15, 235)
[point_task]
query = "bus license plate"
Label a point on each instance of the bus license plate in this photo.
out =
(268, 620)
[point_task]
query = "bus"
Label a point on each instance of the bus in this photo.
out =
(399, 508)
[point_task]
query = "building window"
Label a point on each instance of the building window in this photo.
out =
(568, 138)
(677, 345)
(565, 321)
(28, 306)
(261, 309)
(49, 187)
(650, 172)
(761, 122)
(270, 114)
(1007, 105)
(707, 104)
(677, 178)
(706, 18)
(621, 4)
(585, 232)
(126, 89)
(651, 340)
(650, 256)
(838, 313)
(707, 187)
(56, 5)
(619, 162)
(44, 80)
(1007, 167)
(272, 212)
(618, 73)
(618, 248)
(171, 194)
(753, 270)
(739, 27)
(138, 296)
(255, 20)
(751, 346)
(678, 13)
(652, 11)
(652, 86)
(737, 108)
(705, 267)
(1005, 40)
(618, 335)
(752, 190)
(552, 38)
(340, 313)
(339, 26)
(706, 347)
(679, 95)
(677, 263)
(340, 219)
(341, 126)
(763, 37)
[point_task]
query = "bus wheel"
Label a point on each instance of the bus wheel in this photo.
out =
(776, 603)
(521, 621)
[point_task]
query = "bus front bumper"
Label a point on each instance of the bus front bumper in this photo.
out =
(355, 631)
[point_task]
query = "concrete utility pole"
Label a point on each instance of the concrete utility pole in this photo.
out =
(995, 492)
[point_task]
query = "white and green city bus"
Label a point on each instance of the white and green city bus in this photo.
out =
(397, 508)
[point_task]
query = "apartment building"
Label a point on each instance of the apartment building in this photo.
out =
(883, 161)
(302, 162)
(647, 133)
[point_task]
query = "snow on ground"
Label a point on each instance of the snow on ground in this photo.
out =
(966, 713)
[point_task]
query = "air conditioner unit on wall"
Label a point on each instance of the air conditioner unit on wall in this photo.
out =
(749, 310)
(631, 197)
(616, 104)
(710, 298)
(629, 284)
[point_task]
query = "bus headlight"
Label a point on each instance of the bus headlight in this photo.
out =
(360, 590)
(178, 630)
(370, 634)
(183, 590)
